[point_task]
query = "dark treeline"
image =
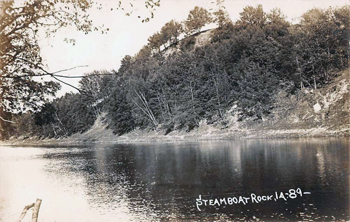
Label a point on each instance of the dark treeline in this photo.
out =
(173, 84)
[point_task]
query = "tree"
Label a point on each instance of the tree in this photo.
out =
(252, 17)
(119, 110)
(322, 43)
(94, 90)
(20, 52)
(125, 64)
(257, 87)
(156, 41)
(197, 18)
(221, 18)
(276, 25)
(5, 124)
(171, 31)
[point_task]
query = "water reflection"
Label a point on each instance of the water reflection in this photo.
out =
(146, 182)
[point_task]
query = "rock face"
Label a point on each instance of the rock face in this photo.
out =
(327, 107)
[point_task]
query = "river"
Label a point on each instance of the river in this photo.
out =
(294, 179)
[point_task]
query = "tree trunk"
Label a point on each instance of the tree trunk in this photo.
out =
(192, 97)
(315, 83)
(60, 123)
(217, 96)
(146, 108)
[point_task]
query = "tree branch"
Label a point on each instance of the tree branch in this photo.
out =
(102, 74)
(54, 74)
(67, 84)
(46, 73)
(64, 70)
(5, 120)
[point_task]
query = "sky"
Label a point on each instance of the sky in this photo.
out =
(127, 34)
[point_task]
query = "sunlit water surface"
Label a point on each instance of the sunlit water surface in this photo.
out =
(153, 182)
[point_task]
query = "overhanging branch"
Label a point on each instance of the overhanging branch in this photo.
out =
(54, 74)
(67, 83)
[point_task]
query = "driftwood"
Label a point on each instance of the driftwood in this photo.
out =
(26, 208)
(36, 210)
(35, 214)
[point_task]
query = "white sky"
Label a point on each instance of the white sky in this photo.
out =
(128, 34)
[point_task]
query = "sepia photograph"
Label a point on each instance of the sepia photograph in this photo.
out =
(174, 110)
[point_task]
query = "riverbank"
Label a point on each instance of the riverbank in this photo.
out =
(99, 135)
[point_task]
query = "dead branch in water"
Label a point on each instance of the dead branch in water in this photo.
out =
(26, 208)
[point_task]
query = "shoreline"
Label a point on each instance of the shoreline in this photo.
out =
(139, 136)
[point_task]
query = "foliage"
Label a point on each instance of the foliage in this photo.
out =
(20, 52)
(252, 17)
(245, 64)
(322, 44)
(119, 110)
(222, 18)
(20, 60)
(197, 18)
(171, 31)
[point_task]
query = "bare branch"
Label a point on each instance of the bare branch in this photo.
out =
(64, 70)
(102, 74)
(67, 84)
(5, 120)
(46, 73)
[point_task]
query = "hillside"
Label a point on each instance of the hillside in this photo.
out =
(322, 112)
(313, 113)
(263, 79)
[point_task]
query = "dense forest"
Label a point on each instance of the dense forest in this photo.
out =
(185, 74)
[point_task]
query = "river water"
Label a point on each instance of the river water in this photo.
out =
(299, 179)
